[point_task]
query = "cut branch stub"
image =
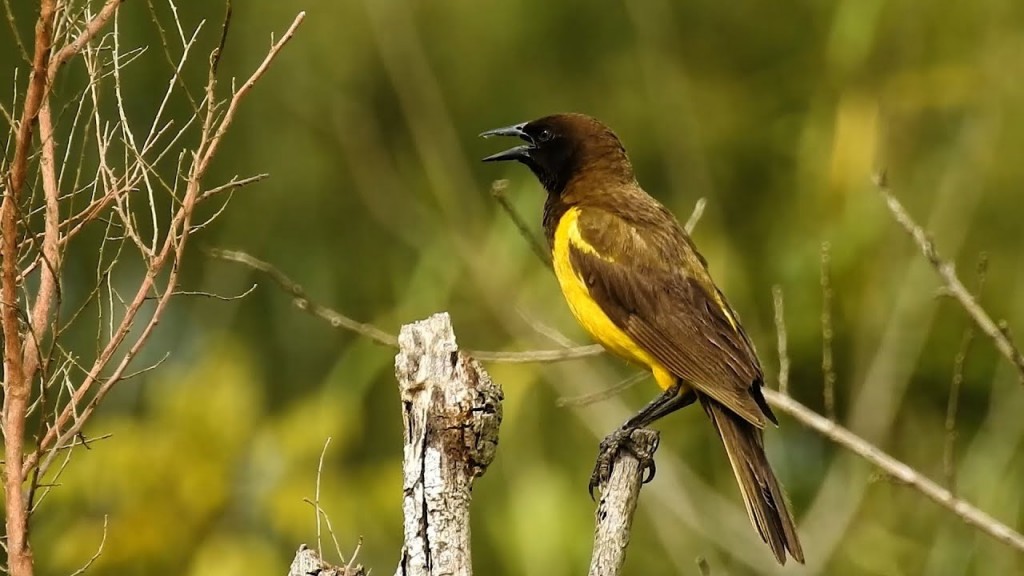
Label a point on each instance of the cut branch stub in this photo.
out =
(307, 562)
(451, 412)
(618, 502)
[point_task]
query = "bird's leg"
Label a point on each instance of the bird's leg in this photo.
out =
(664, 404)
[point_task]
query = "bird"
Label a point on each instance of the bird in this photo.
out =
(634, 280)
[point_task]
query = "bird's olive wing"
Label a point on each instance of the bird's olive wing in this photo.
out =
(649, 280)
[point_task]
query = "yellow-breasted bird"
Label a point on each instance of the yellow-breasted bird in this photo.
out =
(635, 281)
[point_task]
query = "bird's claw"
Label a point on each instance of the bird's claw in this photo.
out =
(621, 439)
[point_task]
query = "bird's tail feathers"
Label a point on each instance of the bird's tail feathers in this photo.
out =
(765, 501)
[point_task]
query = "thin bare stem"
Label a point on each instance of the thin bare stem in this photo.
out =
(338, 320)
(947, 272)
(88, 33)
(234, 184)
(14, 31)
(952, 405)
(827, 368)
(316, 501)
(302, 301)
(896, 469)
(96, 555)
(610, 392)
(780, 330)
(229, 116)
(498, 191)
(698, 211)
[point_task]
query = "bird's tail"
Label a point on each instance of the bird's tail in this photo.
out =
(766, 504)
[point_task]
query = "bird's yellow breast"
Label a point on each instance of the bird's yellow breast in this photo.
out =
(586, 310)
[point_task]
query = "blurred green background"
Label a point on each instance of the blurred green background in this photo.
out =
(777, 113)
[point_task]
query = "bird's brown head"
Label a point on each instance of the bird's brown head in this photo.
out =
(564, 147)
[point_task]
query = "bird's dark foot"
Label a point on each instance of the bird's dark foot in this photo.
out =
(642, 448)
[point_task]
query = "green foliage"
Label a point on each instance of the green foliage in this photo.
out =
(778, 113)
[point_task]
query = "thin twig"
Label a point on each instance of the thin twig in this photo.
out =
(780, 330)
(546, 330)
(14, 31)
(88, 33)
(498, 189)
(214, 296)
(610, 392)
(947, 272)
(316, 500)
(234, 184)
(952, 405)
(302, 301)
(96, 555)
(698, 211)
(827, 368)
(229, 115)
(330, 528)
(352, 568)
(339, 320)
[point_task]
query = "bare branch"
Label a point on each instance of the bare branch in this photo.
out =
(339, 320)
(91, 30)
(48, 295)
(17, 389)
(302, 301)
(895, 468)
(70, 420)
(214, 143)
(947, 272)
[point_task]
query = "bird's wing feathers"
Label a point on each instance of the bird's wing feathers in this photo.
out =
(651, 282)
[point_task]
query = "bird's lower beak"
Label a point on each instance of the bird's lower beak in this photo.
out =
(521, 152)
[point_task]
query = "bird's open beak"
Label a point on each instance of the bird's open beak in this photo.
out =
(521, 152)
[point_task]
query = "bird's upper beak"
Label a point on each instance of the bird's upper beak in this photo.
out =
(521, 152)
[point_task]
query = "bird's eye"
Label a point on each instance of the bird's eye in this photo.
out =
(545, 135)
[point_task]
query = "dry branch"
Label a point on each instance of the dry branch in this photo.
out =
(17, 388)
(338, 320)
(947, 272)
(896, 469)
(122, 174)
